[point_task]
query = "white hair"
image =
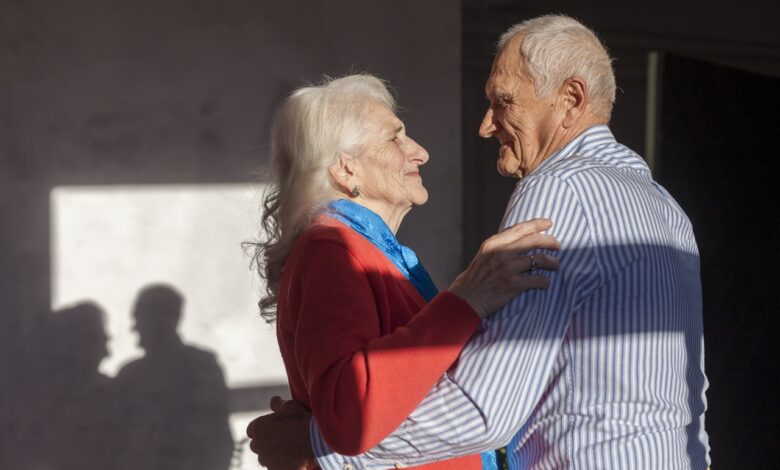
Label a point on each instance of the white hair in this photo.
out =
(556, 48)
(314, 125)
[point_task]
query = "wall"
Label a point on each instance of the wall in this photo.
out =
(161, 94)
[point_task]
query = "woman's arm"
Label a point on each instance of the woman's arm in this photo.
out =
(363, 385)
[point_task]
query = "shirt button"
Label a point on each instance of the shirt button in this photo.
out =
(347, 466)
(399, 465)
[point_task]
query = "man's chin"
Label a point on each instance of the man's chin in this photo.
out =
(508, 169)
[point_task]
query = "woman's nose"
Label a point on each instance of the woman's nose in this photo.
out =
(418, 154)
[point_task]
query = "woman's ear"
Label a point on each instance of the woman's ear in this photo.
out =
(342, 173)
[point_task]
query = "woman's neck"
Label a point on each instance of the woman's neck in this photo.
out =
(391, 215)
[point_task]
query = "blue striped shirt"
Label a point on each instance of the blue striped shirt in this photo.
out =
(604, 369)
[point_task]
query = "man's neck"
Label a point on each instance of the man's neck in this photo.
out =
(565, 135)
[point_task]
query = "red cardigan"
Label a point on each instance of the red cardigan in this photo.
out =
(359, 343)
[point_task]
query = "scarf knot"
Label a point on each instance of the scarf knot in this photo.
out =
(367, 223)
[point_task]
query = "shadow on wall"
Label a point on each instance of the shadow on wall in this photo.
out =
(166, 410)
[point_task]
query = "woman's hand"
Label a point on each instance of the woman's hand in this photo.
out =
(502, 268)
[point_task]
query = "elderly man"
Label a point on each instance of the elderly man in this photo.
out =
(605, 368)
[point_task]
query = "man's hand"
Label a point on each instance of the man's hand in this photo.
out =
(281, 439)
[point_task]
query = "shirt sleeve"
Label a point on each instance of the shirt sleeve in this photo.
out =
(362, 384)
(505, 368)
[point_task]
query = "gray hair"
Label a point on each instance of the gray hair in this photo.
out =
(314, 125)
(557, 47)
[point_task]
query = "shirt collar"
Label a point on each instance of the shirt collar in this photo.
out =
(596, 135)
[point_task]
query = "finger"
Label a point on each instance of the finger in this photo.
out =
(517, 231)
(526, 228)
(294, 407)
(541, 261)
(277, 403)
(254, 446)
(537, 241)
(250, 429)
(522, 264)
(534, 241)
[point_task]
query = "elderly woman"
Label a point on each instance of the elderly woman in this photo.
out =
(362, 330)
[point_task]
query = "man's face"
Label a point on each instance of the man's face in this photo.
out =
(523, 123)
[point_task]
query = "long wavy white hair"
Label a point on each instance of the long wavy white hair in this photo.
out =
(313, 126)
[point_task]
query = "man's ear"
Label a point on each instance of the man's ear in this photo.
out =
(342, 173)
(574, 100)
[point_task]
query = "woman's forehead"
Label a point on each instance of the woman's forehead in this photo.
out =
(383, 119)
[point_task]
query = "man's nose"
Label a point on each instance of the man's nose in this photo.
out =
(488, 126)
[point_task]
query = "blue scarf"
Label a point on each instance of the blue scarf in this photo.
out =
(367, 223)
(370, 225)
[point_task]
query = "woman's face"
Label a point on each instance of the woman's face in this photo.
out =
(388, 167)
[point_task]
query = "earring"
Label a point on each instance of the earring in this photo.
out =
(355, 191)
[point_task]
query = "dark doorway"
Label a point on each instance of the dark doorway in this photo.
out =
(716, 155)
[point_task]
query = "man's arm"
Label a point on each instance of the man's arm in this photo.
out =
(504, 370)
